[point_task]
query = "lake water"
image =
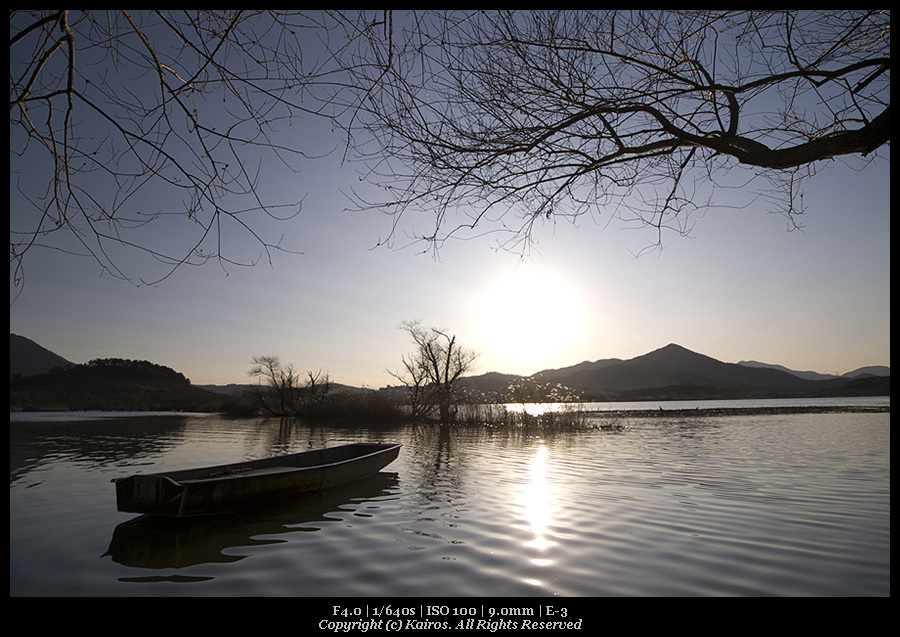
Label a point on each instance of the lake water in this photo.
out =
(786, 504)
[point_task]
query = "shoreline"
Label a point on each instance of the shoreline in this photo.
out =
(742, 411)
(659, 412)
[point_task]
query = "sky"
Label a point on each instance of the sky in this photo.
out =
(742, 286)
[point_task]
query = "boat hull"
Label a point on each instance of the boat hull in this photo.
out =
(227, 488)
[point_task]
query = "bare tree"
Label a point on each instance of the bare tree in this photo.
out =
(500, 120)
(318, 387)
(285, 394)
(282, 382)
(414, 378)
(433, 369)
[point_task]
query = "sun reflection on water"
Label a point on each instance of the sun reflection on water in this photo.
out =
(539, 508)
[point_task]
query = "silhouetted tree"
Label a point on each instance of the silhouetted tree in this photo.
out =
(433, 368)
(418, 391)
(282, 383)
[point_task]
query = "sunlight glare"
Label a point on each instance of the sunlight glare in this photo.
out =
(530, 317)
(538, 503)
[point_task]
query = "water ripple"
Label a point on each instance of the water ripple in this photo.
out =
(791, 505)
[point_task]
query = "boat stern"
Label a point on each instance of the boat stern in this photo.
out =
(153, 494)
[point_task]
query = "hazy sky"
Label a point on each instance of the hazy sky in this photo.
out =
(741, 287)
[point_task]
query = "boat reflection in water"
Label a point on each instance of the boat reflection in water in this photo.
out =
(149, 541)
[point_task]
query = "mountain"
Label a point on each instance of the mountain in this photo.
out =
(237, 390)
(490, 384)
(671, 372)
(674, 372)
(807, 375)
(873, 370)
(674, 366)
(110, 384)
(27, 358)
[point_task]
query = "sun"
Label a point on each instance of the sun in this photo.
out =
(530, 317)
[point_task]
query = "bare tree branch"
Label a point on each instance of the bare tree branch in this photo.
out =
(149, 133)
(500, 120)
(221, 86)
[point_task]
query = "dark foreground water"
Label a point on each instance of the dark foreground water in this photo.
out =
(756, 504)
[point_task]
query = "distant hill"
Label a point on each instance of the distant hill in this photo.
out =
(27, 358)
(40, 379)
(671, 367)
(235, 389)
(110, 384)
(490, 384)
(874, 370)
(675, 372)
(808, 375)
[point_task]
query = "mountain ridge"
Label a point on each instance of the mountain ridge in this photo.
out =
(869, 370)
(675, 366)
(673, 371)
(27, 358)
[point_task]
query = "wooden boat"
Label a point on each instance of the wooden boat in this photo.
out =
(231, 487)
